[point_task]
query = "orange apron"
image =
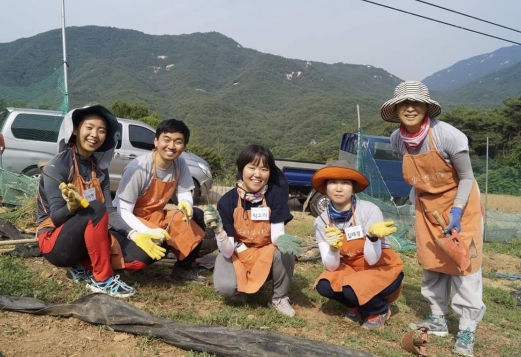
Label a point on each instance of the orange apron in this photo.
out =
(436, 182)
(366, 280)
(149, 209)
(253, 265)
(116, 255)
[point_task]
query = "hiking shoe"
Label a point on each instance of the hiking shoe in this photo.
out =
(283, 306)
(78, 273)
(464, 343)
(435, 326)
(188, 274)
(112, 286)
(353, 314)
(376, 321)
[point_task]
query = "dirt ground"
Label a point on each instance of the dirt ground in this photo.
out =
(24, 335)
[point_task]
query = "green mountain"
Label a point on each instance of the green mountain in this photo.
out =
(229, 96)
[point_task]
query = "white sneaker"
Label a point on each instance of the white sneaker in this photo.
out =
(283, 306)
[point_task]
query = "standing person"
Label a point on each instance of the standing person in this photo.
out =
(249, 228)
(363, 272)
(436, 163)
(72, 232)
(147, 184)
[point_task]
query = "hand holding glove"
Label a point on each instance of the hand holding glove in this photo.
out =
(288, 244)
(187, 207)
(160, 233)
(334, 237)
(381, 229)
(454, 219)
(147, 242)
(71, 195)
(213, 220)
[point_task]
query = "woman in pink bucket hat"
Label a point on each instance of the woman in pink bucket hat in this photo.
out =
(436, 162)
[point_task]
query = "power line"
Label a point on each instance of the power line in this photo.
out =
(441, 22)
(472, 17)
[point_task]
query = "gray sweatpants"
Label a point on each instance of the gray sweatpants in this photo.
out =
(467, 292)
(225, 279)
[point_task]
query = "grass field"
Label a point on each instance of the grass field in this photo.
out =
(499, 334)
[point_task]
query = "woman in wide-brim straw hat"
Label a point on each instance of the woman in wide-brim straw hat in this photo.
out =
(436, 163)
(362, 270)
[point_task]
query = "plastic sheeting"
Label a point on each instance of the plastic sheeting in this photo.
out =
(101, 309)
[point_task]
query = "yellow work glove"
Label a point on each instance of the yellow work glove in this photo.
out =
(160, 233)
(71, 195)
(381, 229)
(187, 207)
(147, 242)
(334, 237)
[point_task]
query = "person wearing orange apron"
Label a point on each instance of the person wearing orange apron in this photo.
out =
(147, 184)
(363, 272)
(71, 234)
(436, 162)
(249, 228)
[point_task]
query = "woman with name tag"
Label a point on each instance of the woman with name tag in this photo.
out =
(362, 272)
(75, 206)
(249, 228)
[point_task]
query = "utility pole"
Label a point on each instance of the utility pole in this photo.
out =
(64, 57)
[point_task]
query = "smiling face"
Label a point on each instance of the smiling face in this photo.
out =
(255, 176)
(411, 114)
(169, 147)
(90, 134)
(340, 193)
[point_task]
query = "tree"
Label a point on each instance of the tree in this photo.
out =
(129, 111)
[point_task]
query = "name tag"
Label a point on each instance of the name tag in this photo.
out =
(260, 214)
(354, 232)
(89, 194)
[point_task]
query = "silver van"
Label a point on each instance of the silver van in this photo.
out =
(29, 135)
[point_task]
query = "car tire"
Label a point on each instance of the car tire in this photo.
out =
(33, 172)
(197, 190)
(318, 204)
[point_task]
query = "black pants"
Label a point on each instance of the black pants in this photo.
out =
(136, 259)
(377, 305)
(70, 247)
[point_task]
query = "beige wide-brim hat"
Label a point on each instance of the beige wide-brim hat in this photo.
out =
(413, 91)
(339, 170)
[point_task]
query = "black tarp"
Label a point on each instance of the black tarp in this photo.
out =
(101, 309)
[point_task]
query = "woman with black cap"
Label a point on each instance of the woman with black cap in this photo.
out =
(362, 272)
(249, 228)
(436, 162)
(75, 206)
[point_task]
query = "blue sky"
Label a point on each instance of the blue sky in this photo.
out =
(330, 31)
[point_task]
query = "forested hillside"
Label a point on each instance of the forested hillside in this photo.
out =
(473, 69)
(229, 96)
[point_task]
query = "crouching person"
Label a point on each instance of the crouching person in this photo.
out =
(362, 272)
(249, 227)
(147, 184)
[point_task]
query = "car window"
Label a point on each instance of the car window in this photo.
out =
(140, 137)
(383, 151)
(36, 127)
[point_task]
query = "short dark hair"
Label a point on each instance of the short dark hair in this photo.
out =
(173, 126)
(256, 154)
